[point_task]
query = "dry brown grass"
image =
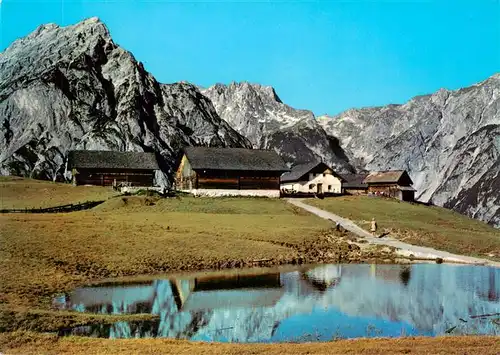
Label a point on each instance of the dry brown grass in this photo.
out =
(26, 343)
(418, 224)
(16, 192)
(41, 254)
(133, 236)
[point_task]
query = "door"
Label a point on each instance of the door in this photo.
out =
(320, 188)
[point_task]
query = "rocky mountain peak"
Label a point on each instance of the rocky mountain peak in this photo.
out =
(43, 28)
(257, 113)
(265, 93)
(64, 88)
(82, 31)
(50, 45)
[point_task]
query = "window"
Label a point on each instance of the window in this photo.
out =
(324, 174)
(329, 187)
(311, 186)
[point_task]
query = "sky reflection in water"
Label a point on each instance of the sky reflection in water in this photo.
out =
(310, 304)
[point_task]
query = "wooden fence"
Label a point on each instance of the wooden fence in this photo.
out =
(57, 209)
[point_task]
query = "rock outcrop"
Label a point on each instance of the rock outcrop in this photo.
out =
(448, 141)
(64, 88)
(257, 113)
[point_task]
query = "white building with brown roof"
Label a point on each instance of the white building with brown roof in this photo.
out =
(313, 178)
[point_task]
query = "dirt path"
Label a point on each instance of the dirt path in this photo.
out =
(404, 249)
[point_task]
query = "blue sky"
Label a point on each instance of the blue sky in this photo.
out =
(326, 56)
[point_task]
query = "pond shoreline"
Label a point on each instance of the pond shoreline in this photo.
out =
(31, 343)
(360, 300)
(53, 321)
(330, 248)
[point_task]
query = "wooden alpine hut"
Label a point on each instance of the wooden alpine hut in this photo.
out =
(105, 168)
(391, 183)
(208, 171)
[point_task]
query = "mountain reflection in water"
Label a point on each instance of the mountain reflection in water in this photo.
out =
(309, 304)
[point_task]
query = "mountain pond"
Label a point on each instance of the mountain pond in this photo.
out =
(310, 303)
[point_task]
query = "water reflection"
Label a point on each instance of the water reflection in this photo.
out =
(309, 304)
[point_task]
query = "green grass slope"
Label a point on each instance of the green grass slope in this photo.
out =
(418, 224)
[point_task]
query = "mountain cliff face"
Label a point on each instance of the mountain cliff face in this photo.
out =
(257, 113)
(64, 88)
(448, 141)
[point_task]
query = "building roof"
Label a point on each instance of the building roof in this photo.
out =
(101, 159)
(300, 170)
(234, 159)
(389, 176)
(354, 181)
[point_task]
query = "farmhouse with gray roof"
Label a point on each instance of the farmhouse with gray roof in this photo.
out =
(106, 168)
(208, 171)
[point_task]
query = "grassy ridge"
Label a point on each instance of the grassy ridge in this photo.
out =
(28, 193)
(418, 224)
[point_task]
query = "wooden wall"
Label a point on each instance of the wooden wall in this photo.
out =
(185, 176)
(259, 183)
(238, 183)
(239, 180)
(354, 191)
(408, 196)
(105, 177)
(187, 179)
(390, 190)
(217, 182)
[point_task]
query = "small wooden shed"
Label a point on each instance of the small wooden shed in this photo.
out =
(391, 183)
(103, 168)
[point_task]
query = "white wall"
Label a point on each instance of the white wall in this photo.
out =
(327, 180)
(228, 192)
